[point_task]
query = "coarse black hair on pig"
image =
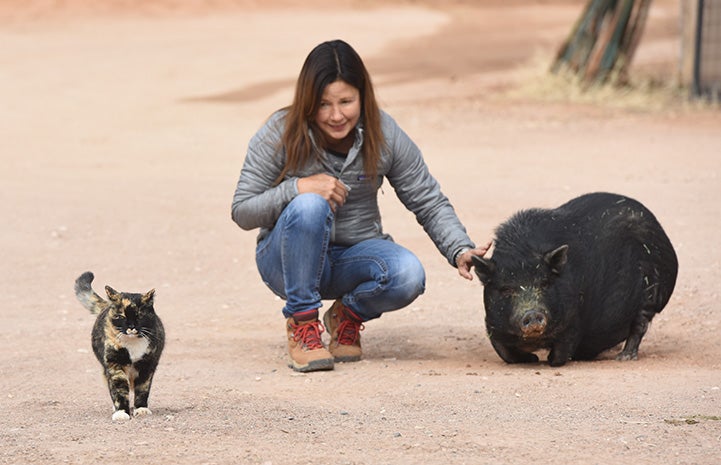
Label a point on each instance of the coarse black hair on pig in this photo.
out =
(576, 280)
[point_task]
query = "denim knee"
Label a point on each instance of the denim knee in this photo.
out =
(410, 278)
(401, 284)
(310, 211)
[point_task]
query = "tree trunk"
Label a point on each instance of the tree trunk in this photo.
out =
(603, 41)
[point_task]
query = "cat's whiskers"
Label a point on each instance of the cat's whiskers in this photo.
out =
(147, 334)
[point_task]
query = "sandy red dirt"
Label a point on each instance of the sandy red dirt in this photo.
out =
(122, 134)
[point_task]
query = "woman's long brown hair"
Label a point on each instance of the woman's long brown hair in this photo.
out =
(326, 63)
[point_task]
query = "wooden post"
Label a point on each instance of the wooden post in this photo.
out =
(605, 49)
(633, 37)
(689, 20)
(603, 41)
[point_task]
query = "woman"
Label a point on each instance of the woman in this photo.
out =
(310, 182)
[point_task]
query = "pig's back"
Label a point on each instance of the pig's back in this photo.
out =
(624, 254)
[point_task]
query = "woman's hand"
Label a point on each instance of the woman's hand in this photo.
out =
(330, 188)
(464, 261)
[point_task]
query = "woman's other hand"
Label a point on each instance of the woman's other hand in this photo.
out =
(330, 188)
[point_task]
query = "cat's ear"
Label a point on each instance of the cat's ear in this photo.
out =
(148, 297)
(112, 293)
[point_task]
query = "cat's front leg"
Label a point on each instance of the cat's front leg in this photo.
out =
(119, 387)
(142, 383)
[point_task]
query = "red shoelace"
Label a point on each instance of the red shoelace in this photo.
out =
(309, 334)
(348, 332)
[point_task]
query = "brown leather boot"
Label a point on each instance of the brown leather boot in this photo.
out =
(305, 347)
(344, 327)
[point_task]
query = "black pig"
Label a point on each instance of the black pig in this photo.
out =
(577, 280)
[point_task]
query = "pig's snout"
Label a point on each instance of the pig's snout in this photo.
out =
(533, 323)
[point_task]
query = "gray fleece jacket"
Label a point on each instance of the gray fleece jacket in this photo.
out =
(258, 203)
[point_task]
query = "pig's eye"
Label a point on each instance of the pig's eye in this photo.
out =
(506, 291)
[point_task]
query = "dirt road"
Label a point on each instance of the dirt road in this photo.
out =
(122, 134)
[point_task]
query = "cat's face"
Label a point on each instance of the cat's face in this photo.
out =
(131, 315)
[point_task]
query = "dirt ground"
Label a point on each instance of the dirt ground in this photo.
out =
(122, 132)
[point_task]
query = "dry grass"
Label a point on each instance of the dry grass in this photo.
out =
(648, 92)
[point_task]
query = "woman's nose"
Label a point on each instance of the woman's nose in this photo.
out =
(335, 113)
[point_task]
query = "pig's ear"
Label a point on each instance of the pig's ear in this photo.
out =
(484, 268)
(557, 258)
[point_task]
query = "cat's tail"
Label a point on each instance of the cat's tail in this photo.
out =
(86, 295)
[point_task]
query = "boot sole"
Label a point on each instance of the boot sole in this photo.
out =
(346, 359)
(315, 365)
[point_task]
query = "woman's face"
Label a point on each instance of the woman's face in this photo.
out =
(339, 111)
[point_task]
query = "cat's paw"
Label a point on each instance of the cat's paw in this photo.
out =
(120, 415)
(142, 411)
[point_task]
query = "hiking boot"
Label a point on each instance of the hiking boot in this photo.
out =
(344, 327)
(306, 350)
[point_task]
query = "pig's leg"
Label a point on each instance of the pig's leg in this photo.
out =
(652, 302)
(513, 355)
(560, 354)
(565, 345)
(638, 330)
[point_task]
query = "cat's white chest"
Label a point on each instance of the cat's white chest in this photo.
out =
(136, 347)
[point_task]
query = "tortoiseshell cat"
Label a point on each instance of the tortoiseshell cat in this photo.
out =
(127, 338)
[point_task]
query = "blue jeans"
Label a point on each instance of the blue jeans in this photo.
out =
(299, 264)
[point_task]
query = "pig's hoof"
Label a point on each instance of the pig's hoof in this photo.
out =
(623, 356)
